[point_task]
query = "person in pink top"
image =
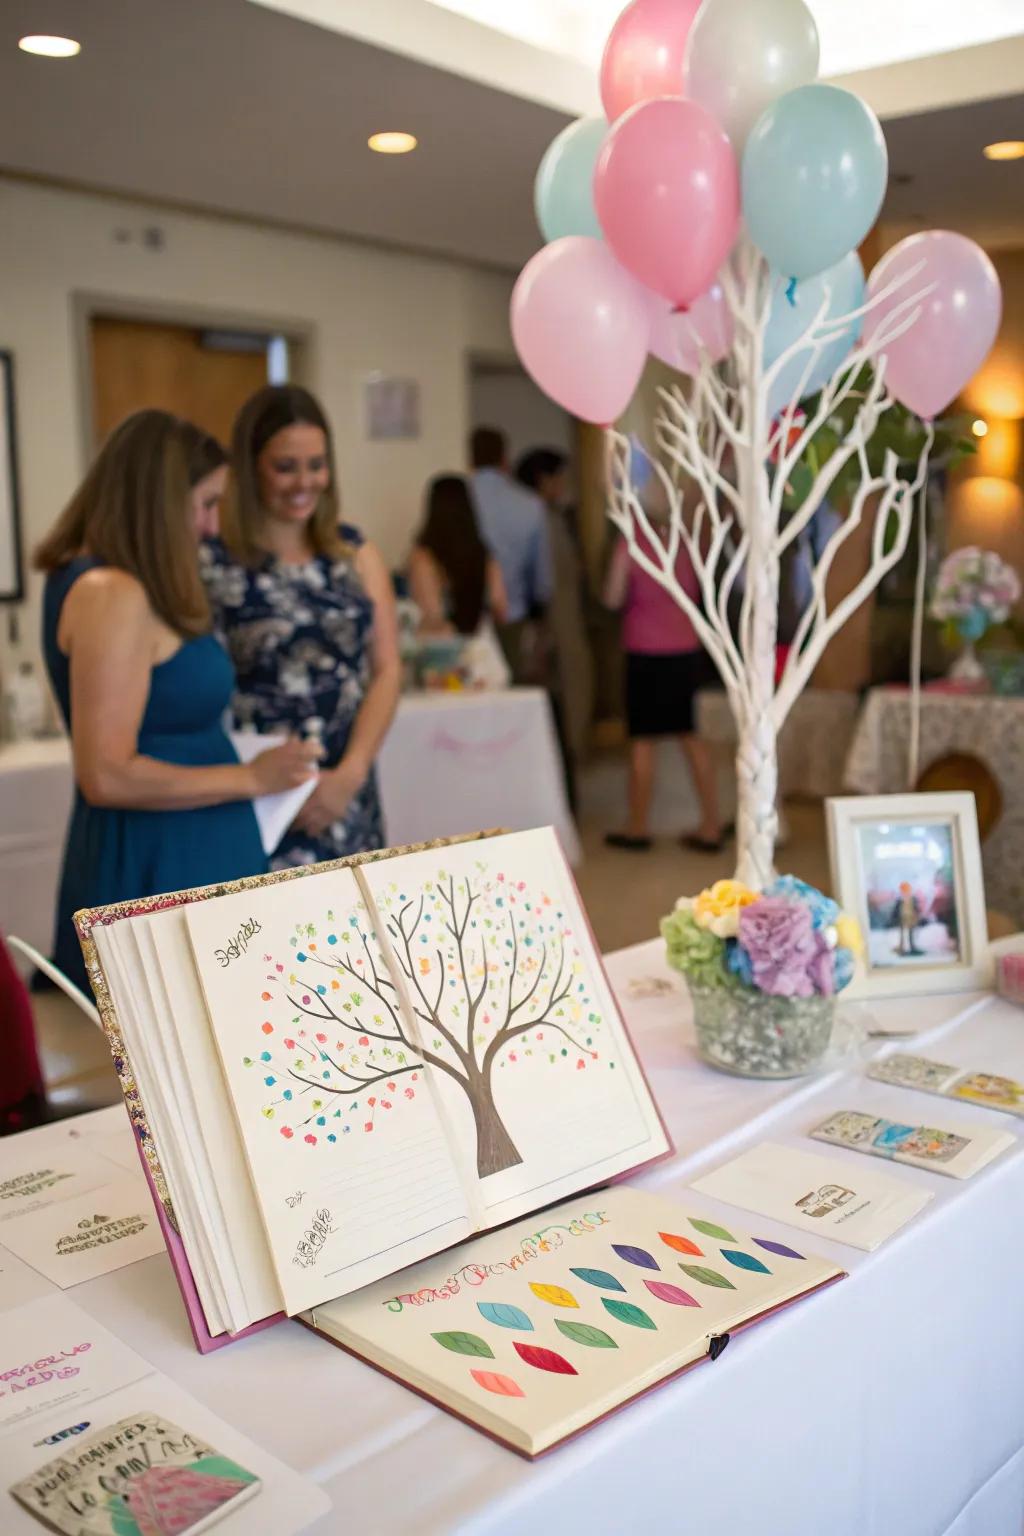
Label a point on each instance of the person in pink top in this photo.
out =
(665, 666)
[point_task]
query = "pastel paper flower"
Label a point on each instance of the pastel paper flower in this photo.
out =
(695, 951)
(824, 911)
(778, 936)
(718, 909)
(849, 935)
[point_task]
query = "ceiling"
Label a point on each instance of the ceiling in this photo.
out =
(233, 107)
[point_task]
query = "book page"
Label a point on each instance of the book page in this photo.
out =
(539, 1329)
(351, 1163)
(533, 1063)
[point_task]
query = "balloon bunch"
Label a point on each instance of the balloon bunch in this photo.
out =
(717, 133)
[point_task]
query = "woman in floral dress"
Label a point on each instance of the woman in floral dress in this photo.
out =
(304, 605)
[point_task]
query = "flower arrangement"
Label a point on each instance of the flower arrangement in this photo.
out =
(975, 589)
(786, 941)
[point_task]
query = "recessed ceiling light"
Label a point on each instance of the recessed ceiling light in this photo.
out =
(50, 47)
(392, 143)
(980, 428)
(1006, 149)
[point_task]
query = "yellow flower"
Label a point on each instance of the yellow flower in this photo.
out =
(849, 934)
(718, 909)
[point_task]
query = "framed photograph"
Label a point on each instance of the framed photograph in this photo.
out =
(908, 867)
(392, 408)
(12, 581)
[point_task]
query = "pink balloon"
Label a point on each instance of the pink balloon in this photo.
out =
(581, 326)
(667, 195)
(931, 363)
(677, 336)
(643, 57)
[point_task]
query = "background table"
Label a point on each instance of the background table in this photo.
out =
(984, 726)
(893, 1401)
(813, 742)
(451, 763)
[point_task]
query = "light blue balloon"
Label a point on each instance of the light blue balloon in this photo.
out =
(564, 190)
(814, 176)
(794, 309)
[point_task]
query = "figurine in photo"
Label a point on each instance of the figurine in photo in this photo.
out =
(908, 919)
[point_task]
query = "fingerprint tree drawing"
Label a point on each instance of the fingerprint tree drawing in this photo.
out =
(492, 976)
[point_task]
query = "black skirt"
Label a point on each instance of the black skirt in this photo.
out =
(660, 691)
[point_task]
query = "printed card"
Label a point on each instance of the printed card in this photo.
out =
(36, 1179)
(143, 1476)
(52, 1354)
(816, 1194)
(79, 1239)
(958, 1153)
(985, 1088)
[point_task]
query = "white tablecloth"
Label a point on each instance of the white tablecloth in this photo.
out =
(984, 726)
(451, 763)
(892, 1402)
(460, 762)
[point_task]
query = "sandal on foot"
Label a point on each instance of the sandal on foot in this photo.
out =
(627, 841)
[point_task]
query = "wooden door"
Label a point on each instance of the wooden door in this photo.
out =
(136, 364)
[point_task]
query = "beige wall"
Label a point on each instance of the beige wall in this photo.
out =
(363, 308)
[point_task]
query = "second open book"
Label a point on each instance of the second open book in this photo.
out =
(342, 1074)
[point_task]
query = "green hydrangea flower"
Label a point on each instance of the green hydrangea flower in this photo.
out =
(695, 951)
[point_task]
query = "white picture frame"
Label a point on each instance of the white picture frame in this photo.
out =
(925, 929)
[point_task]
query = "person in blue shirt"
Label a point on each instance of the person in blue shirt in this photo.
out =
(513, 525)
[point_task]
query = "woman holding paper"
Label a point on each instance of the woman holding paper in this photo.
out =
(161, 800)
(305, 607)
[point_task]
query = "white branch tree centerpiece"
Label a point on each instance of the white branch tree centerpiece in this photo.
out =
(714, 219)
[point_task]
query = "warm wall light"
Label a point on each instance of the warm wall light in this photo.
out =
(1006, 149)
(392, 143)
(980, 428)
(50, 47)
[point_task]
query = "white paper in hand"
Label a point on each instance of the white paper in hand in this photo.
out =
(274, 813)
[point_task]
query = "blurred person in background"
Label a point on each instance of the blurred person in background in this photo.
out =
(513, 525)
(454, 580)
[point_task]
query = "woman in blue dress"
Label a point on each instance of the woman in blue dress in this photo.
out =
(161, 800)
(305, 607)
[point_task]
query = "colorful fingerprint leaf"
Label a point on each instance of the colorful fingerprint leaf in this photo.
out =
(636, 1256)
(779, 1248)
(465, 1344)
(599, 1277)
(493, 1381)
(627, 1313)
(710, 1230)
(671, 1293)
(504, 1315)
(554, 1295)
(707, 1276)
(745, 1261)
(584, 1333)
(681, 1244)
(545, 1359)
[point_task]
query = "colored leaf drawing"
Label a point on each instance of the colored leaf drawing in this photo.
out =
(584, 1333)
(710, 1230)
(504, 1315)
(553, 1295)
(779, 1248)
(681, 1244)
(493, 1381)
(707, 1276)
(672, 1293)
(465, 1344)
(627, 1313)
(636, 1256)
(545, 1359)
(599, 1277)
(745, 1261)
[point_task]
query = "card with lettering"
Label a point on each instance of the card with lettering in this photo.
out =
(53, 1356)
(957, 1152)
(850, 1204)
(35, 1178)
(79, 1239)
(143, 1476)
(988, 1089)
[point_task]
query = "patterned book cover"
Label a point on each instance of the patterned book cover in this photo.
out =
(143, 1476)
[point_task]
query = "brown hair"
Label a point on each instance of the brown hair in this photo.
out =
(269, 411)
(132, 511)
(488, 448)
(451, 535)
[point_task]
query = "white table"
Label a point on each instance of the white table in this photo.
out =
(984, 726)
(460, 762)
(893, 1401)
(451, 763)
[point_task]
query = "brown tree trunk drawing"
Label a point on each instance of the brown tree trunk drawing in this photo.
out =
(495, 1149)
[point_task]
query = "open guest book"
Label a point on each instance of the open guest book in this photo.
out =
(338, 1072)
